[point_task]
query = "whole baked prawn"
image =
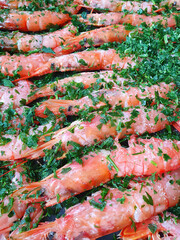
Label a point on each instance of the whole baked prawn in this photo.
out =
(114, 97)
(97, 37)
(167, 224)
(34, 21)
(80, 61)
(110, 18)
(138, 120)
(26, 42)
(87, 79)
(116, 210)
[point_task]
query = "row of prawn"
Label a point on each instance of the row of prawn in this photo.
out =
(123, 161)
(64, 42)
(82, 131)
(84, 220)
(36, 21)
(27, 65)
(42, 231)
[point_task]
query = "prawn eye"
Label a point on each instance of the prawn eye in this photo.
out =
(50, 236)
(69, 108)
(174, 4)
(55, 88)
(42, 191)
(52, 66)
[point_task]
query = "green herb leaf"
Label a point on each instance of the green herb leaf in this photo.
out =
(65, 170)
(152, 227)
(148, 199)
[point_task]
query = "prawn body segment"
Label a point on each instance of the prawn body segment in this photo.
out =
(119, 6)
(86, 221)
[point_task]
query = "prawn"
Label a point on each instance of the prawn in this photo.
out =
(96, 168)
(88, 79)
(16, 94)
(33, 21)
(106, 19)
(80, 61)
(102, 214)
(169, 227)
(26, 42)
(97, 37)
(114, 97)
(120, 6)
(86, 133)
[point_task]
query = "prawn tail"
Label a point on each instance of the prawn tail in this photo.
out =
(3, 4)
(55, 106)
(44, 231)
(140, 231)
(40, 150)
(176, 125)
(45, 69)
(149, 228)
(4, 233)
(27, 192)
